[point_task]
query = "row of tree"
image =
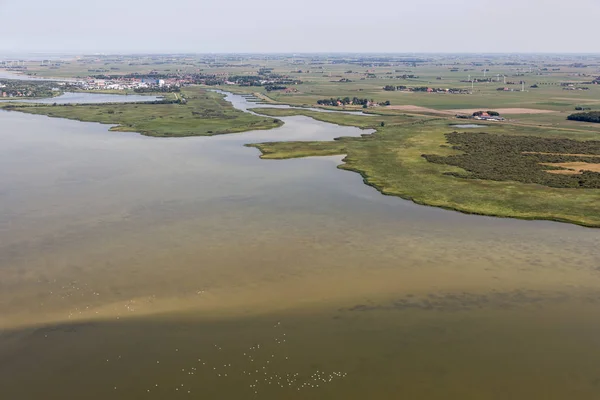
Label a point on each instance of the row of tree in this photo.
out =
(348, 101)
(164, 89)
(254, 80)
(343, 101)
(590, 116)
(270, 88)
(490, 113)
(391, 88)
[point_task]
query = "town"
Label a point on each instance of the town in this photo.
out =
(153, 81)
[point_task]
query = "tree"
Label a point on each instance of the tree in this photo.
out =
(591, 116)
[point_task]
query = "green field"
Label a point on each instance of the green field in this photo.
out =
(205, 113)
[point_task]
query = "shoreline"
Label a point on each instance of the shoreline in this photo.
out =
(278, 151)
(330, 148)
(177, 118)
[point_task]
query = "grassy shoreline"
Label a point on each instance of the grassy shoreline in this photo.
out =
(203, 113)
(390, 160)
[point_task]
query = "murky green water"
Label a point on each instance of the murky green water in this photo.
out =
(129, 262)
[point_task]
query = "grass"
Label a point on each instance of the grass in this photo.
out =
(391, 161)
(206, 113)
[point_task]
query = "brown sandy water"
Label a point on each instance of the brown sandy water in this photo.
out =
(124, 260)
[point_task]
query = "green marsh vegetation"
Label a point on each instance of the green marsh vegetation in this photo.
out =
(521, 158)
(391, 159)
(203, 113)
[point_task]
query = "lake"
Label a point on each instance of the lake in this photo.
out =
(137, 267)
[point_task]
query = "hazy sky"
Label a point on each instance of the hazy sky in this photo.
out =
(299, 26)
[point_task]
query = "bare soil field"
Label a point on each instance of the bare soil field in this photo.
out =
(573, 168)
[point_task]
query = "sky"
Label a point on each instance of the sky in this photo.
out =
(283, 26)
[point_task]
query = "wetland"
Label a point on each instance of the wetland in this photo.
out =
(137, 267)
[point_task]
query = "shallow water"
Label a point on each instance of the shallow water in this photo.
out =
(126, 259)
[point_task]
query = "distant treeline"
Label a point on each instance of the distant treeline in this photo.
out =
(257, 80)
(392, 88)
(270, 88)
(164, 89)
(348, 101)
(591, 116)
(490, 113)
(343, 101)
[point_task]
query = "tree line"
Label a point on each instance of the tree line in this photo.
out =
(591, 116)
(348, 101)
(270, 88)
(490, 113)
(164, 89)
